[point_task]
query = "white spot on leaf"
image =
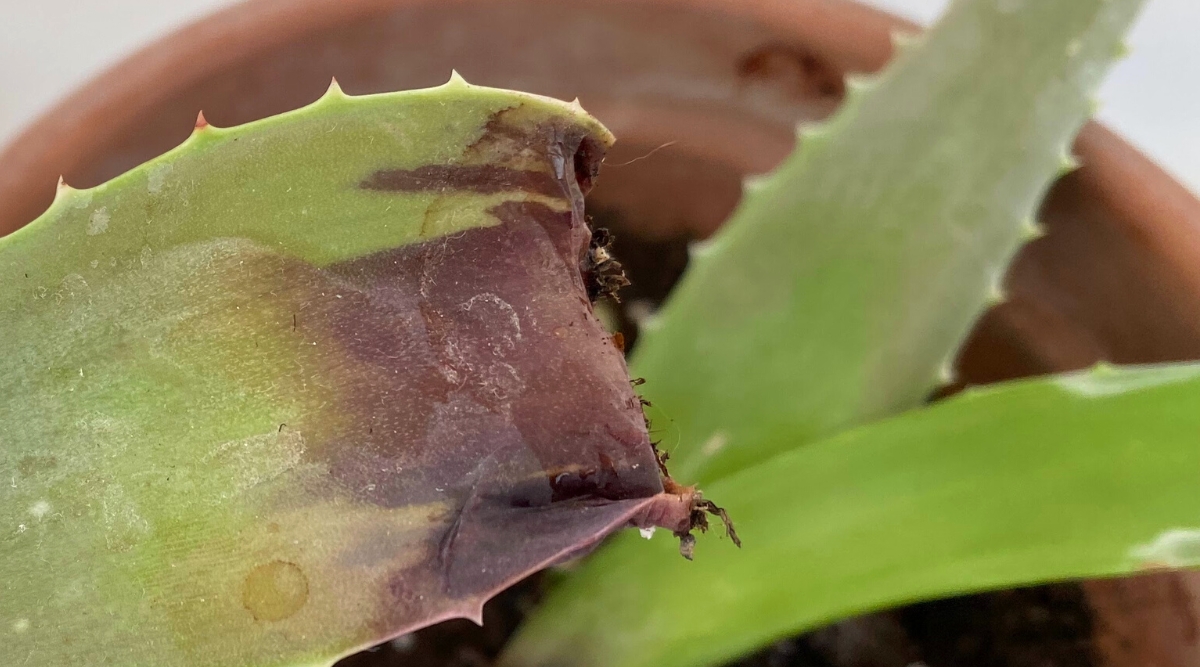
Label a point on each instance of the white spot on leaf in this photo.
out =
(1179, 547)
(158, 175)
(20, 625)
(1104, 380)
(98, 224)
(715, 443)
(40, 509)
(647, 532)
(256, 459)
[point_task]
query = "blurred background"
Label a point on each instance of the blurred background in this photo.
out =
(49, 47)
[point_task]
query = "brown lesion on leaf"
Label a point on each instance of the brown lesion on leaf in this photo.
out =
(521, 150)
(478, 178)
(522, 138)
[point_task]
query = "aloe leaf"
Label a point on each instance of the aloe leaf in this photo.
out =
(1085, 475)
(301, 385)
(847, 278)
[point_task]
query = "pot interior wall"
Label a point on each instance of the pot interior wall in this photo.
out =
(725, 90)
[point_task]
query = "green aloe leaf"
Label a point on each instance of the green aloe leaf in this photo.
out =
(844, 283)
(837, 295)
(1087, 475)
(299, 386)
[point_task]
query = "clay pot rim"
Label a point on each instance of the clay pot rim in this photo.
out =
(1159, 207)
(254, 26)
(151, 74)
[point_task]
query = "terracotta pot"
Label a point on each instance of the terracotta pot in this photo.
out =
(723, 82)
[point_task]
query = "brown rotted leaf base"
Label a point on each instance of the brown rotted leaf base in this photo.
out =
(682, 509)
(698, 519)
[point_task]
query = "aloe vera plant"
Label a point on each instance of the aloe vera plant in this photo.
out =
(302, 385)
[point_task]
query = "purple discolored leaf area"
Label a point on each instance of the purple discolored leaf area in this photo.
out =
(316, 382)
(486, 383)
(512, 400)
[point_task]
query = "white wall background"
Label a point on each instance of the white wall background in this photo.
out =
(48, 47)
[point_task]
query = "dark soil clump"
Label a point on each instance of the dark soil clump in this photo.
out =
(1026, 627)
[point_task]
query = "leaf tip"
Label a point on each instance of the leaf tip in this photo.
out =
(903, 40)
(946, 374)
(810, 131)
(1031, 230)
(1067, 163)
(644, 314)
(700, 249)
(755, 183)
(649, 323)
(334, 91)
(576, 105)
(857, 85)
(996, 293)
(201, 122)
(456, 81)
(1174, 548)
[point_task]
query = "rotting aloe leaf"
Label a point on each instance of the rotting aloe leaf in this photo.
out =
(301, 385)
(1086, 475)
(844, 283)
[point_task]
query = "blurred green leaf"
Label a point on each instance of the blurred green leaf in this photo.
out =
(837, 295)
(1087, 475)
(842, 286)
